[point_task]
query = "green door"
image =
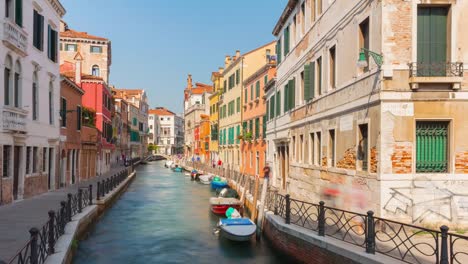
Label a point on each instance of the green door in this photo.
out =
(432, 41)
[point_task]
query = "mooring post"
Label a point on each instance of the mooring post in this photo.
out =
(288, 209)
(321, 219)
(51, 240)
(444, 259)
(370, 233)
(34, 232)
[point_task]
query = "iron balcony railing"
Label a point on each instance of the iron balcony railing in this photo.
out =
(42, 241)
(436, 69)
(405, 242)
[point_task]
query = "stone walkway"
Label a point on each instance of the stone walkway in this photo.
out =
(17, 218)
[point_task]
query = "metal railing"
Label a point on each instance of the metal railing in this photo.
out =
(436, 69)
(42, 241)
(405, 242)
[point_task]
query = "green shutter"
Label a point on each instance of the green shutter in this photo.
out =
(286, 97)
(267, 109)
(431, 147)
(278, 50)
(245, 95)
(432, 41)
(306, 82)
(278, 103)
(250, 125)
(264, 125)
(19, 12)
(237, 134)
(312, 80)
(286, 41)
(265, 80)
(257, 89)
(272, 107)
(292, 94)
(251, 92)
(257, 127)
(237, 76)
(244, 126)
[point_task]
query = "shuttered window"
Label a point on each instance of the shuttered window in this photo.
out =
(272, 107)
(237, 76)
(432, 41)
(238, 105)
(286, 40)
(278, 103)
(306, 82)
(278, 50)
(257, 127)
(19, 12)
(63, 111)
(264, 125)
(237, 134)
(38, 30)
(251, 92)
(257, 89)
(286, 98)
(432, 146)
(292, 93)
(267, 109)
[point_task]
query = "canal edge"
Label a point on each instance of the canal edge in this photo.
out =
(82, 222)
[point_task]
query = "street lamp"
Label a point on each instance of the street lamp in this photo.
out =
(363, 55)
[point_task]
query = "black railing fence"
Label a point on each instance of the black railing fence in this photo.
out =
(405, 242)
(42, 241)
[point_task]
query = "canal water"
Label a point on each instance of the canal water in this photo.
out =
(164, 217)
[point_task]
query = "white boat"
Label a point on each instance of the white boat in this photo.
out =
(237, 229)
(205, 178)
(168, 163)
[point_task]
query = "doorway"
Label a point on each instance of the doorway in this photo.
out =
(16, 167)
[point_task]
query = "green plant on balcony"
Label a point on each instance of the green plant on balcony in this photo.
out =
(88, 117)
(248, 136)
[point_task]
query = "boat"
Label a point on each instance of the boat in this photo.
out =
(217, 183)
(226, 198)
(168, 163)
(177, 169)
(237, 229)
(194, 175)
(205, 178)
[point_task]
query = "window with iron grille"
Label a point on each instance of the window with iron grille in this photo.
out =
(432, 146)
(6, 160)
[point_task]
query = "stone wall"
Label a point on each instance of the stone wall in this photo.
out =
(34, 185)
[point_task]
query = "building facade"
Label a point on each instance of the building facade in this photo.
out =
(237, 69)
(379, 134)
(30, 79)
(165, 128)
(254, 110)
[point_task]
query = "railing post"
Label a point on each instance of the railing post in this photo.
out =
(63, 209)
(444, 256)
(370, 233)
(288, 209)
(90, 194)
(51, 249)
(69, 209)
(34, 249)
(97, 190)
(80, 200)
(321, 219)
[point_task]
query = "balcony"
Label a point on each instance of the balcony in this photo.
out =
(450, 73)
(14, 119)
(15, 37)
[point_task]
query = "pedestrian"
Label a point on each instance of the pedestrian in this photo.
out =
(220, 163)
(266, 172)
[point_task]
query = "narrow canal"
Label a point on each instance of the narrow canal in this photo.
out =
(165, 218)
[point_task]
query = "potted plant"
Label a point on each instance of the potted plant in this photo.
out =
(248, 136)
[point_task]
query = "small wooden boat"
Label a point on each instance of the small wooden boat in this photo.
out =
(227, 198)
(177, 169)
(205, 178)
(237, 229)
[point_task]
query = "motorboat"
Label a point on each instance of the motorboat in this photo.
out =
(177, 169)
(168, 163)
(205, 178)
(227, 198)
(237, 229)
(194, 175)
(218, 183)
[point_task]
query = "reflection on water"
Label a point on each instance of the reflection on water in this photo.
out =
(165, 218)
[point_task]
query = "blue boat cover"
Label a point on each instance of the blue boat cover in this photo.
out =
(236, 221)
(219, 183)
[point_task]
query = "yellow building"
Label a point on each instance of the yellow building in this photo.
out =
(217, 79)
(237, 70)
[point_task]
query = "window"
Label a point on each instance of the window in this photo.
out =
(332, 62)
(257, 127)
(319, 7)
(17, 15)
(290, 95)
(331, 147)
(95, 70)
(35, 95)
(312, 10)
(6, 161)
(17, 85)
(257, 163)
(28, 160)
(251, 159)
(7, 80)
(78, 117)
(35, 159)
(8, 7)
(38, 30)
(293, 147)
(312, 148)
(44, 159)
(302, 85)
(364, 40)
(278, 103)
(63, 111)
(251, 92)
(286, 36)
(237, 76)
(303, 18)
(52, 44)
(257, 89)
(265, 80)
(432, 141)
(294, 30)
(301, 148)
(51, 103)
(319, 75)
(238, 105)
(272, 107)
(432, 40)
(96, 49)
(318, 148)
(278, 50)
(70, 47)
(245, 95)
(309, 81)
(362, 153)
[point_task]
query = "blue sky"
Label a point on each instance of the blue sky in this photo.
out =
(156, 43)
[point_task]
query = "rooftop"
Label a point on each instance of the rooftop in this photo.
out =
(70, 33)
(160, 111)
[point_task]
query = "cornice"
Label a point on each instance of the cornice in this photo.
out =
(58, 7)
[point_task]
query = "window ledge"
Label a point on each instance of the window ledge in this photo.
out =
(455, 81)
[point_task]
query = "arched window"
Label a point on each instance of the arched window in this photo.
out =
(7, 79)
(95, 70)
(51, 103)
(17, 85)
(35, 91)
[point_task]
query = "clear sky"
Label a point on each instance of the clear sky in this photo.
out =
(156, 43)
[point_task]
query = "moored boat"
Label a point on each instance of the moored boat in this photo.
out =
(217, 183)
(227, 198)
(177, 169)
(205, 178)
(237, 229)
(168, 163)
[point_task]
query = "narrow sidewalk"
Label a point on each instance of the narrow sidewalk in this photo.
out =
(17, 218)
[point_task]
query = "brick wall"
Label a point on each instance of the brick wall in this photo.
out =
(349, 160)
(299, 250)
(373, 160)
(461, 162)
(34, 185)
(401, 158)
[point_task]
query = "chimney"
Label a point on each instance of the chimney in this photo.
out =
(189, 81)
(78, 72)
(220, 70)
(237, 54)
(227, 61)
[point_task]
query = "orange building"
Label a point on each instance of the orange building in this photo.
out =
(253, 146)
(205, 137)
